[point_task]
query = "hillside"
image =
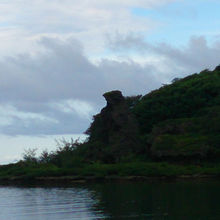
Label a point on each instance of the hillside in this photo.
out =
(180, 120)
(171, 132)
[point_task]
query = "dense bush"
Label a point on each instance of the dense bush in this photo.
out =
(182, 99)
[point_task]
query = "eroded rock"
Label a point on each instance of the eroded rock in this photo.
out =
(115, 127)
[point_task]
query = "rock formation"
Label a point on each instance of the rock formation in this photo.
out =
(115, 127)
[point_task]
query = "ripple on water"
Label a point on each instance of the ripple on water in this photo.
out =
(47, 203)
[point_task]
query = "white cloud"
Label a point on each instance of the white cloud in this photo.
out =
(81, 108)
(9, 114)
(64, 76)
(59, 89)
(55, 63)
(21, 21)
(198, 54)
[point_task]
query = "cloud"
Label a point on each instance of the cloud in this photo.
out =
(22, 21)
(10, 112)
(59, 89)
(64, 72)
(196, 55)
(83, 109)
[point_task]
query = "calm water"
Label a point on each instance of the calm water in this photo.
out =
(167, 200)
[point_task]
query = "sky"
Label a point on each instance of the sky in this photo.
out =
(58, 57)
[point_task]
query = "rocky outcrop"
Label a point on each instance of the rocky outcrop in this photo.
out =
(217, 68)
(115, 127)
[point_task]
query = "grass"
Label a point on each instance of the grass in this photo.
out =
(143, 169)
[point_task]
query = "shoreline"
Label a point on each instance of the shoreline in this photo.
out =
(23, 173)
(68, 180)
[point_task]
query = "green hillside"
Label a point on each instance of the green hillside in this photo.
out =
(172, 131)
(179, 120)
(187, 97)
(183, 119)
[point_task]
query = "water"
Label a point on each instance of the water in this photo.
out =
(191, 200)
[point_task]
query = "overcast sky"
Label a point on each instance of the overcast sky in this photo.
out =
(58, 57)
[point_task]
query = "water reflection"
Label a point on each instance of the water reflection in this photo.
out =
(47, 203)
(189, 200)
(152, 201)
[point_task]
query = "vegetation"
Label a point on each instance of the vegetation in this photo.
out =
(172, 131)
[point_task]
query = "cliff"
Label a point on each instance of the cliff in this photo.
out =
(114, 130)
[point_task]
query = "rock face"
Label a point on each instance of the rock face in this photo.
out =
(114, 128)
(113, 98)
(217, 68)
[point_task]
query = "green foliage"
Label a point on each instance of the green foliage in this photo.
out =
(132, 100)
(195, 136)
(180, 145)
(29, 156)
(181, 99)
(183, 118)
(98, 170)
(179, 123)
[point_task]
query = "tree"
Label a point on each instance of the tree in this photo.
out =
(29, 155)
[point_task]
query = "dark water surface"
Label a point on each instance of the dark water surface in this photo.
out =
(191, 200)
